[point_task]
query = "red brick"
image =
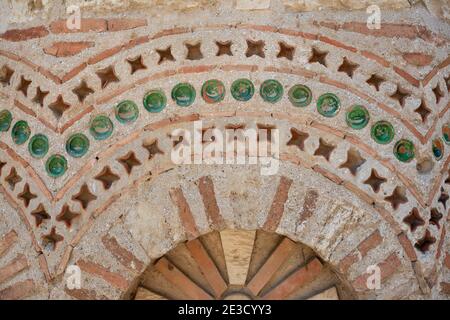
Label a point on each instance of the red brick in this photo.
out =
(24, 108)
(358, 192)
(67, 49)
(16, 35)
(84, 294)
(371, 242)
(327, 174)
(125, 257)
(407, 246)
(445, 288)
(408, 77)
(171, 32)
(19, 290)
(7, 241)
(207, 266)
(184, 212)
(337, 44)
(447, 261)
(115, 279)
(125, 24)
(239, 67)
(87, 25)
(387, 267)
(206, 189)
(14, 267)
(276, 210)
(180, 280)
(374, 57)
(417, 59)
(105, 54)
(309, 205)
(349, 260)
(196, 69)
(72, 73)
(296, 280)
(271, 266)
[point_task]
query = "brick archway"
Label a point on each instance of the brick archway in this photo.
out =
(57, 83)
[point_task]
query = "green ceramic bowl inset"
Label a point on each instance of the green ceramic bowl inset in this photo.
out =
(56, 166)
(271, 91)
(77, 145)
(382, 132)
(5, 120)
(300, 95)
(38, 146)
(20, 132)
(242, 89)
(357, 117)
(437, 148)
(101, 127)
(446, 133)
(155, 101)
(213, 91)
(328, 105)
(404, 150)
(183, 94)
(127, 111)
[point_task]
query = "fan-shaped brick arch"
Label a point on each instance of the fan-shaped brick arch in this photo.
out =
(120, 203)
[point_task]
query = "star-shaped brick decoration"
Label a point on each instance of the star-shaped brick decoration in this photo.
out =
(107, 76)
(443, 198)
(40, 96)
(152, 148)
(82, 91)
(50, 241)
(298, 139)
(40, 214)
(23, 86)
(354, 161)
(318, 56)
(375, 181)
(2, 164)
(425, 242)
(107, 177)
(224, 48)
(66, 215)
(414, 220)
(286, 51)
(400, 95)
(26, 195)
(375, 81)
(129, 161)
(255, 48)
(397, 197)
(348, 67)
(59, 107)
(435, 217)
(194, 51)
(84, 197)
(325, 149)
(6, 74)
(438, 93)
(165, 55)
(136, 64)
(423, 111)
(13, 178)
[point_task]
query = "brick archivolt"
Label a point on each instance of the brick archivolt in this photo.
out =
(59, 81)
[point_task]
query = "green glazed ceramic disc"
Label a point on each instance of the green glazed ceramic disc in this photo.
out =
(382, 132)
(404, 150)
(38, 146)
(155, 101)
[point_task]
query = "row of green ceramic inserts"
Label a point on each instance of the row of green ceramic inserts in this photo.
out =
(213, 91)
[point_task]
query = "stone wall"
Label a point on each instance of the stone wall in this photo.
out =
(83, 182)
